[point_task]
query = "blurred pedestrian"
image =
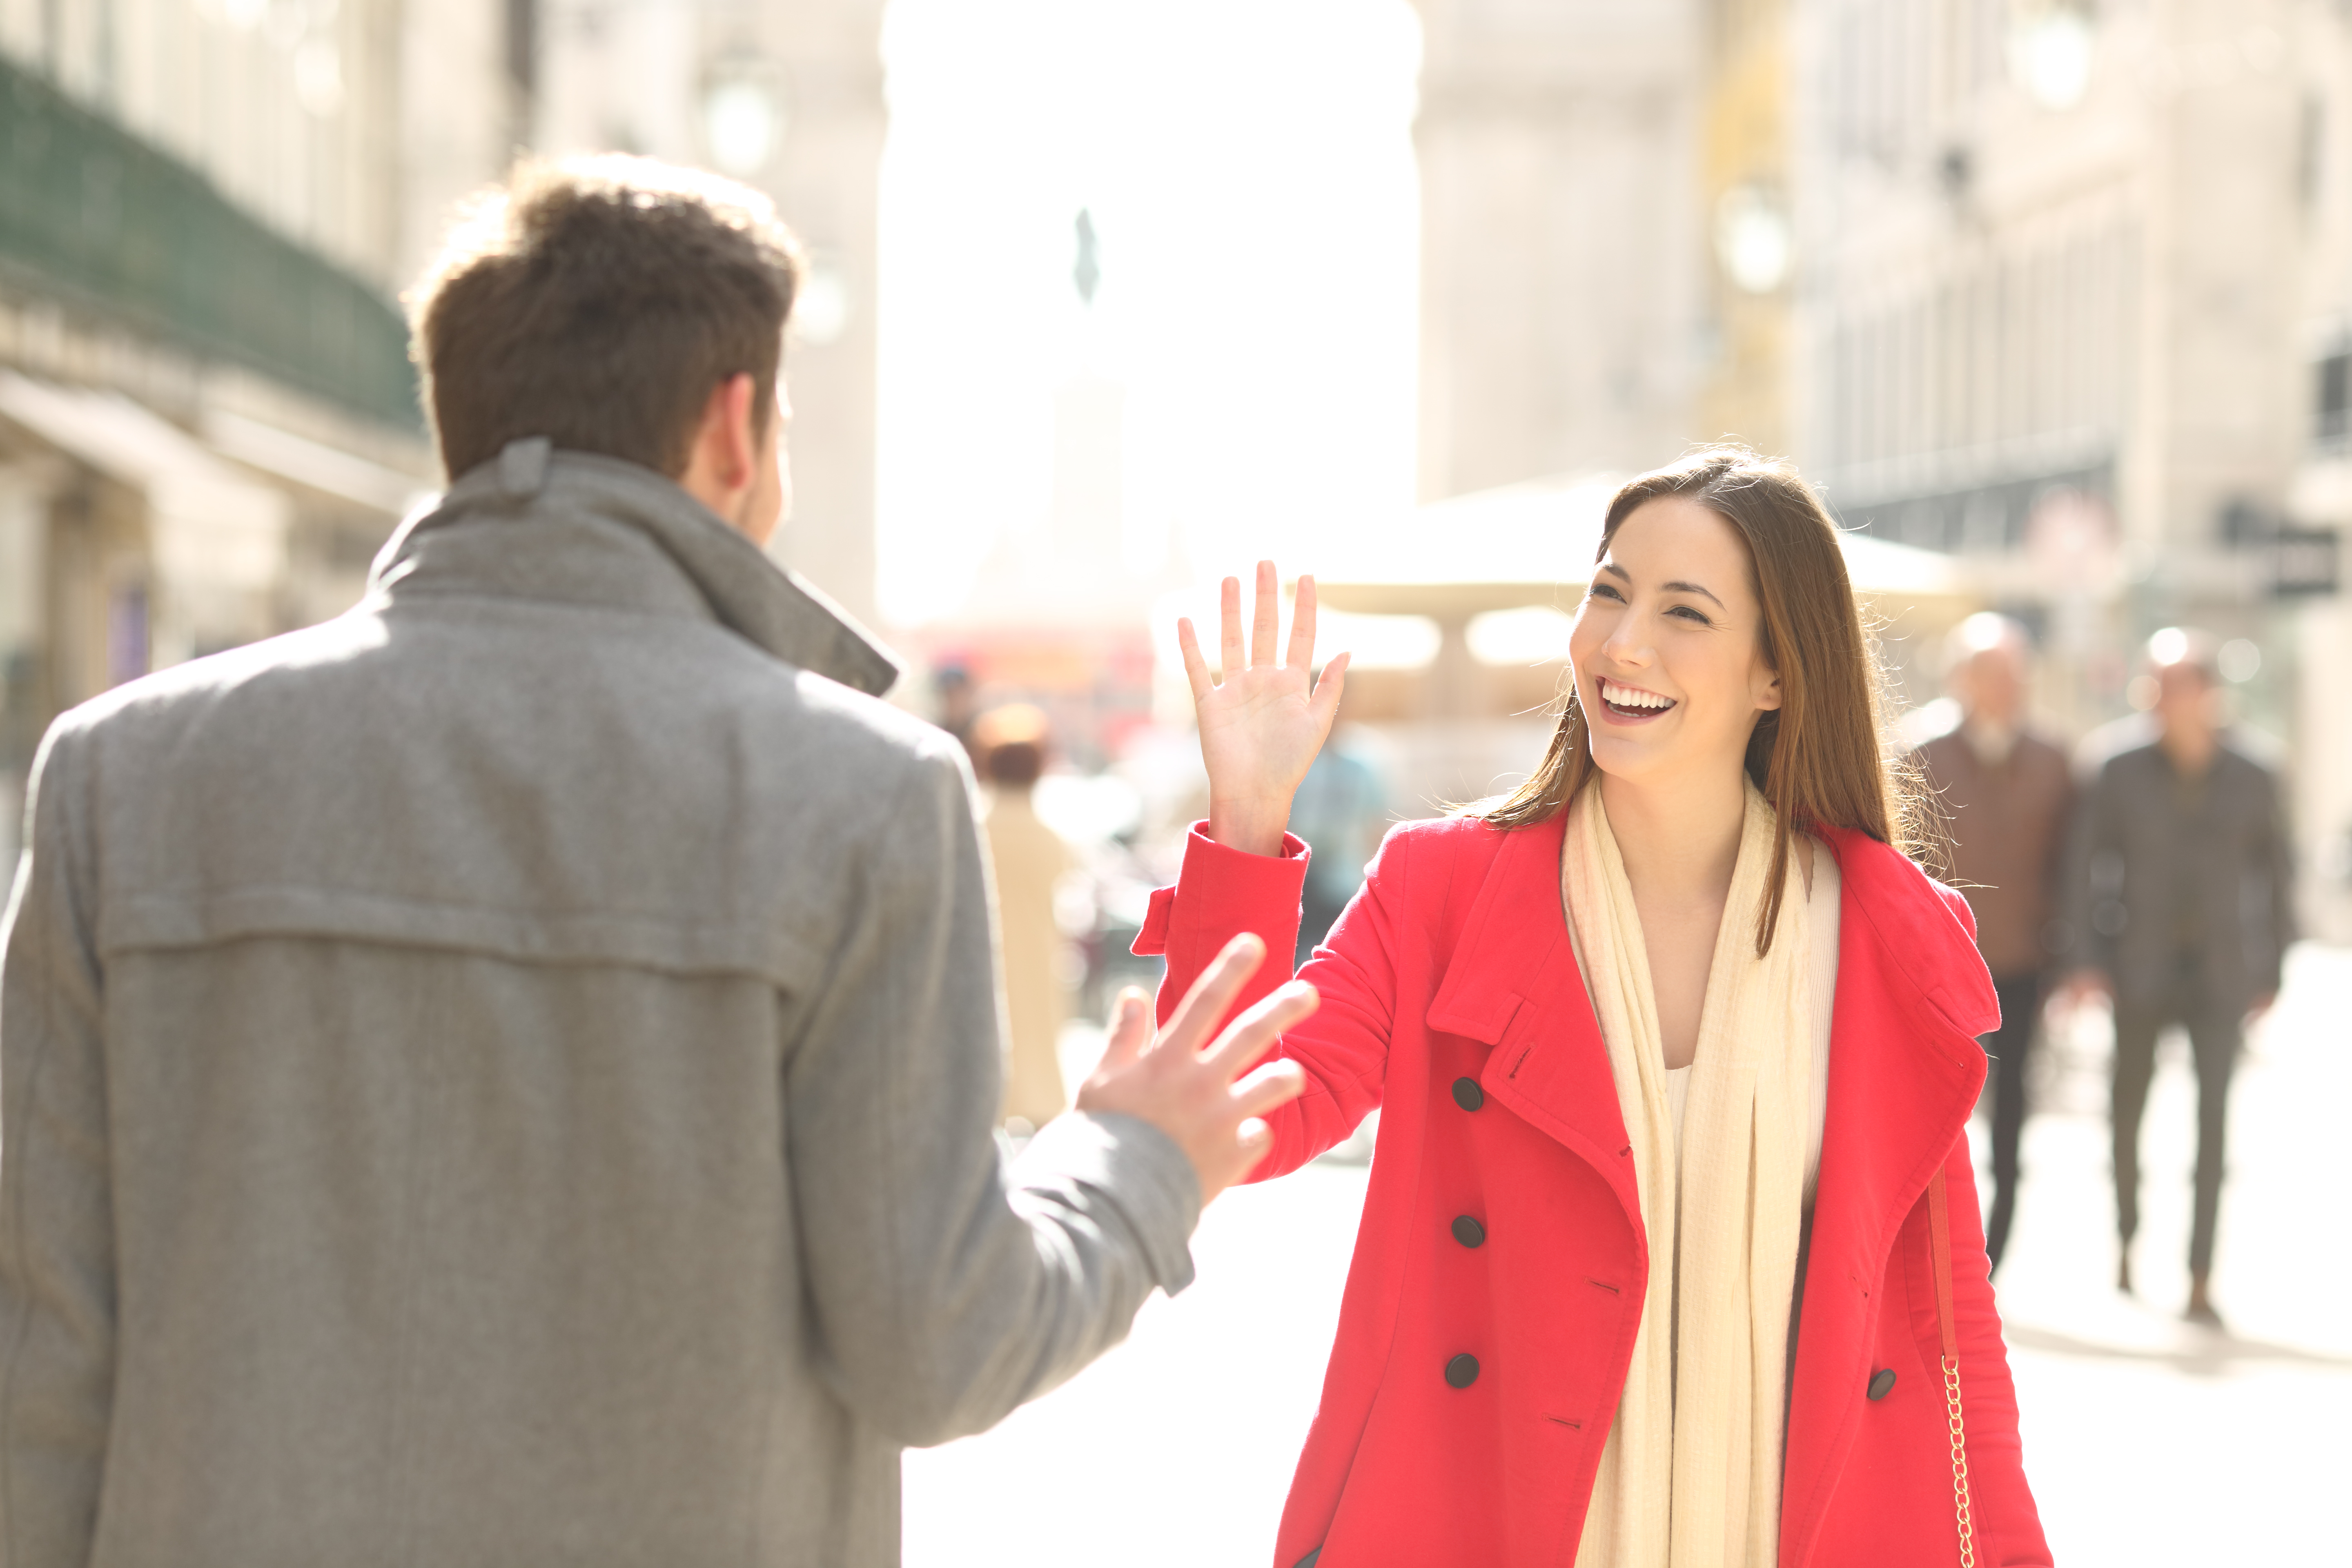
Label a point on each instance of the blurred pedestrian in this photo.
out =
(959, 703)
(1339, 813)
(2179, 882)
(2007, 797)
(509, 1075)
(1029, 858)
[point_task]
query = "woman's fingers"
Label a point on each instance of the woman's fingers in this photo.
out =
(1253, 1034)
(1326, 701)
(1215, 992)
(1267, 614)
(1302, 628)
(1196, 669)
(1229, 609)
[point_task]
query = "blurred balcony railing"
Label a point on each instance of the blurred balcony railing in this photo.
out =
(94, 217)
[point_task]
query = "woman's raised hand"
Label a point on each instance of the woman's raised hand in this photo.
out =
(1261, 728)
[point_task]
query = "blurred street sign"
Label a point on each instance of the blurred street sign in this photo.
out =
(2306, 562)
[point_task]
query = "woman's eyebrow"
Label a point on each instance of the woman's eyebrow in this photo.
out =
(1669, 587)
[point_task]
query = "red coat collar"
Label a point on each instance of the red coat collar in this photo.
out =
(1904, 1069)
(1905, 957)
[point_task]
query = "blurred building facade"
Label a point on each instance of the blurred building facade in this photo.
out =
(1561, 286)
(1744, 194)
(789, 99)
(2068, 279)
(207, 418)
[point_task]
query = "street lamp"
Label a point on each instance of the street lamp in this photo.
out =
(742, 115)
(2050, 43)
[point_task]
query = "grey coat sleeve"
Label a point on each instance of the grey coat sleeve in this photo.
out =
(948, 1288)
(56, 1238)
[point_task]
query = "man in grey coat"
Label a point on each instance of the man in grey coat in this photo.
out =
(2180, 891)
(507, 1076)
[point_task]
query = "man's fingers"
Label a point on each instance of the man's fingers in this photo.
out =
(1302, 628)
(1253, 1034)
(1274, 1084)
(1215, 992)
(1229, 613)
(1130, 1030)
(1256, 1138)
(1266, 616)
(1196, 669)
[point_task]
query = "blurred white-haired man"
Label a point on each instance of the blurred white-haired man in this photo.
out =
(2007, 793)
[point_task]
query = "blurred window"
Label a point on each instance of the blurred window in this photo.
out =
(2333, 415)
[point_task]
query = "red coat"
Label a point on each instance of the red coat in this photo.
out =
(1452, 1000)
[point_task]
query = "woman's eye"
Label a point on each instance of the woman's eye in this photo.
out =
(1604, 591)
(1689, 614)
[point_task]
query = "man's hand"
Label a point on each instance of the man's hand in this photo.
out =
(1183, 1083)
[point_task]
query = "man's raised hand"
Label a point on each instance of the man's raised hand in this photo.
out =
(1263, 723)
(1185, 1084)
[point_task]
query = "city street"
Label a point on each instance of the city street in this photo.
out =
(2148, 1442)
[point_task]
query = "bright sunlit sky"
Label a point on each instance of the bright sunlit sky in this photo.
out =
(1249, 167)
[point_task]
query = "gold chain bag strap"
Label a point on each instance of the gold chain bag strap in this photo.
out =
(1939, 1229)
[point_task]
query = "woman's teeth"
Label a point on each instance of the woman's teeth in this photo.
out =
(1628, 697)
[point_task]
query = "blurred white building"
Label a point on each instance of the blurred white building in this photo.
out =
(207, 418)
(2069, 281)
(787, 98)
(1561, 283)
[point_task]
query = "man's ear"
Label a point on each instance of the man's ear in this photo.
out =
(723, 457)
(734, 425)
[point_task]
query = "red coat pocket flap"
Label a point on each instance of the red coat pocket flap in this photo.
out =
(1475, 1013)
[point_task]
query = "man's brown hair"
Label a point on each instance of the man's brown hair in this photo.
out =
(1818, 758)
(598, 302)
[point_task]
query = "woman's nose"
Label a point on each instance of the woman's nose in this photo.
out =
(1626, 644)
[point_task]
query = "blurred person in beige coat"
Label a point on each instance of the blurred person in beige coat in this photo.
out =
(2007, 794)
(509, 1075)
(1028, 859)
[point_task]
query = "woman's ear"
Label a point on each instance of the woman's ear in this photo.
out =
(1766, 686)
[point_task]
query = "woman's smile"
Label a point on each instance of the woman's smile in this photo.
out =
(1625, 704)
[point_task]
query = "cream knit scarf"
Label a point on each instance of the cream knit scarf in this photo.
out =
(1690, 1476)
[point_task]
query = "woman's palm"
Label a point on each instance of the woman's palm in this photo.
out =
(1262, 724)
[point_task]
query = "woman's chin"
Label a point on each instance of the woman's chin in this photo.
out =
(1628, 758)
(1639, 760)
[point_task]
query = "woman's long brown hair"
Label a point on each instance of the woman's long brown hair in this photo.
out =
(1817, 759)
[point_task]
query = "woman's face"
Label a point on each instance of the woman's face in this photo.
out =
(1670, 669)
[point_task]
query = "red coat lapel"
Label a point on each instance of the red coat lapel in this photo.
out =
(1511, 981)
(1904, 1068)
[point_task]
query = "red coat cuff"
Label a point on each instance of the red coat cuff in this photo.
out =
(1222, 875)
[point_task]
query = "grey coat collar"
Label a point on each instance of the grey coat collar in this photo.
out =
(582, 528)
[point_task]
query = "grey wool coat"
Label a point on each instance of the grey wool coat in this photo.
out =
(507, 1076)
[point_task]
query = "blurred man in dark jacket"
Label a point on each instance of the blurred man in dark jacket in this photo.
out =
(2179, 880)
(2006, 793)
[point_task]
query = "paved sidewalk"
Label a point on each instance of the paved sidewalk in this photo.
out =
(2150, 1443)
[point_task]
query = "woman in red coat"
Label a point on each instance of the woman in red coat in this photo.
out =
(1671, 1257)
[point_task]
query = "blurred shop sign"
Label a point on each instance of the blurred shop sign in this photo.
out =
(2306, 562)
